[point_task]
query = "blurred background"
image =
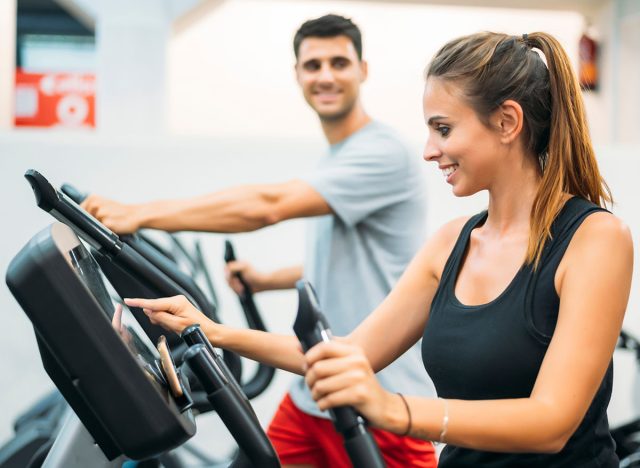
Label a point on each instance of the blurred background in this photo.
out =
(172, 98)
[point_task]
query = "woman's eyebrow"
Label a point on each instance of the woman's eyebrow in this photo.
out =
(434, 118)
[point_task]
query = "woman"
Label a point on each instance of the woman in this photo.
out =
(519, 307)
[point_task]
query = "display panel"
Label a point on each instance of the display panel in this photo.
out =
(121, 318)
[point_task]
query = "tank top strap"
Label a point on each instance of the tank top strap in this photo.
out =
(570, 218)
(453, 262)
(542, 300)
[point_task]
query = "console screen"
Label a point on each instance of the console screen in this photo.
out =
(120, 317)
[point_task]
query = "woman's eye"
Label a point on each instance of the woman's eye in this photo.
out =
(443, 130)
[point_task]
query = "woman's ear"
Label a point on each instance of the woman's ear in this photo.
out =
(508, 119)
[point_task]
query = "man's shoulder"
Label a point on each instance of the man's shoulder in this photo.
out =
(380, 131)
(377, 139)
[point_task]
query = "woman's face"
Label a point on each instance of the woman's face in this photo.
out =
(466, 150)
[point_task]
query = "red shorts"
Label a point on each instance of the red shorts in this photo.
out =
(300, 438)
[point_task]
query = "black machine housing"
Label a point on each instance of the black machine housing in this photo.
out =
(108, 374)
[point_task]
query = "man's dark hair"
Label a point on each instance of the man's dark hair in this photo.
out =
(329, 26)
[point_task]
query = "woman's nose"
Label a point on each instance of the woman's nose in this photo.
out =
(431, 151)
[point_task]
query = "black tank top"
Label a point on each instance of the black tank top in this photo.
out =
(495, 350)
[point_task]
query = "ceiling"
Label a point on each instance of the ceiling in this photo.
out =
(581, 6)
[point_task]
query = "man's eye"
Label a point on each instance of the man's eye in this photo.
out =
(311, 66)
(340, 64)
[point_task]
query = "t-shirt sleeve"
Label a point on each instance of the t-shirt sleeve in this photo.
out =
(362, 179)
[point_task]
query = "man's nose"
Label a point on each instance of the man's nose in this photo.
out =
(326, 74)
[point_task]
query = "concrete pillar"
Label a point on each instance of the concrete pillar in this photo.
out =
(131, 61)
(131, 39)
(7, 61)
(131, 58)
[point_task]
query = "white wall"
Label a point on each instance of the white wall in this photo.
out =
(600, 104)
(231, 73)
(628, 85)
(7, 60)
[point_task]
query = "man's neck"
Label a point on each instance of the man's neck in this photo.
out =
(337, 130)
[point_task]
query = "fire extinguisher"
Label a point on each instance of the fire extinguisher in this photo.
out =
(588, 66)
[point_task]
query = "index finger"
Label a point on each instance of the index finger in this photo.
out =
(163, 303)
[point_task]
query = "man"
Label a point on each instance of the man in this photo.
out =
(367, 204)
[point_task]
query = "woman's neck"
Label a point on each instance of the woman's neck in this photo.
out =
(511, 200)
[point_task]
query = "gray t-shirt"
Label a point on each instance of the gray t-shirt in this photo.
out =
(375, 187)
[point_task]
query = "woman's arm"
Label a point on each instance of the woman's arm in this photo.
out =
(177, 313)
(393, 337)
(593, 282)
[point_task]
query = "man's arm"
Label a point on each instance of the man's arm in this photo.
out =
(237, 209)
(284, 278)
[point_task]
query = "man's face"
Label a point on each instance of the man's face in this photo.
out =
(329, 73)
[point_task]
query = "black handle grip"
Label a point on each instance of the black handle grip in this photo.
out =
(229, 251)
(311, 327)
(230, 256)
(264, 375)
(73, 193)
(77, 196)
(193, 335)
(246, 298)
(235, 412)
(68, 212)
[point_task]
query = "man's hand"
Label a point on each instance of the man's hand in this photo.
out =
(119, 217)
(172, 313)
(255, 279)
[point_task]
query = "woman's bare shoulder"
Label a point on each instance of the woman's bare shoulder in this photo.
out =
(440, 245)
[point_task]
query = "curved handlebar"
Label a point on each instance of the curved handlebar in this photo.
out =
(264, 375)
(68, 212)
(235, 412)
(311, 327)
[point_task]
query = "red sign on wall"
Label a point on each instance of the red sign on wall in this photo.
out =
(55, 100)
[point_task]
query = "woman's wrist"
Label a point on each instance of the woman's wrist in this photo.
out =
(401, 417)
(214, 333)
(396, 414)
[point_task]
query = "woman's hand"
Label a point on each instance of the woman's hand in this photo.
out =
(339, 374)
(172, 313)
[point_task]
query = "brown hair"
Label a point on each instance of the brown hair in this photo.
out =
(491, 68)
(329, 26)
